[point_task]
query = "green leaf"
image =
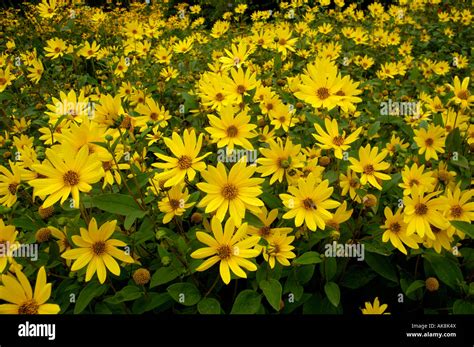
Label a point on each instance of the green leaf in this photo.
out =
(330, 268)
(331, 176)
(317, 304)
(333, 293)
(374, 128)
(150, 302)
(90, 291)
(453, 141)
(185, 293)
(272, 290)
(393, 182)
(446, 269)
(247, 302)
(465, 227)
(145, 232)
(357, 276)
(253, 220)
(163, 275)
(271, 200)
(438, 119)
(463, 307)
(277, 62)
(131, 218)
(382, 266)
(128, 293)
(121, 204)
(414, 286)
(190, 102)
(304, 273)
(209, 306)
(308, 258)
(461, 162)
(292, 286)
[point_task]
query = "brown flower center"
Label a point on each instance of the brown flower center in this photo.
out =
(241, 89)
(309, 204)
(12, 188)
(229, 191)
(429, 141)
(369, 169)
(395, 227)
(456, 211)
(2, 81)
(57, 49)
(154, 116)
(174, 204)
(65, 243)
(264, 231)
(224, 252)
(322, 93)
(338, 140)
(28, 307)
(463, 94)
(274, 249)
(421, 209)
(71, 178)
(219, 97)
(107, 165)
(99, 248)
(232, 131)
(185, 162)
(353, 183)
(413, 182)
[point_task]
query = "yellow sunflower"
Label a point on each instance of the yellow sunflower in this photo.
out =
(231, 130)
(421, 211)
(97, 250)
(22, 300)
(232, 248)
(374, 308)
(235, 192)
(396, 231)
(309, 202)
(430, 141)
(66, 173)
(369, 165)
(331, 139)
(186, 160)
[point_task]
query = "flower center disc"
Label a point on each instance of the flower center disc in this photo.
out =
(184, 162)
(71, 178)
(98, 248)
(28, 307)
(229, 191)
(421, 209)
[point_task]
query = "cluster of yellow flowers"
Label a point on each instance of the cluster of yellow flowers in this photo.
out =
(111, 122)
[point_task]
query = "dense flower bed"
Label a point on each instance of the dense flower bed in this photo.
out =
(309, 159)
